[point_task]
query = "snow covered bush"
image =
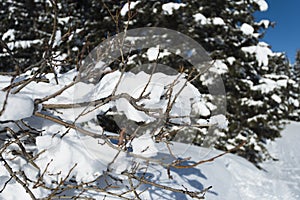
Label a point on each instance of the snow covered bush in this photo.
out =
(54, 147)
(104, 130)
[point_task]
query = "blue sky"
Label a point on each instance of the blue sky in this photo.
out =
(285, 36)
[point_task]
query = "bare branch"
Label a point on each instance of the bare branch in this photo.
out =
(38, 101)
(13, 174)
(190, 193)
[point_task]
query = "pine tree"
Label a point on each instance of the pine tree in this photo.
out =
(294, 99)
(67, 29)
(256, 87)
(296, 70)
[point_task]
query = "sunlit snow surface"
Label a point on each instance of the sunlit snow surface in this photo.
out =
(15, 106)
(285, 173)
(232, 177)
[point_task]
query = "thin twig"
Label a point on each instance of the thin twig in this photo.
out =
(37, 101)
(190, 193)
(151, 75)
(26, 155)
(5, 184)
(6, 98)
(13, 174)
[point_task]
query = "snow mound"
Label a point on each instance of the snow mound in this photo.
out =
(17, 106)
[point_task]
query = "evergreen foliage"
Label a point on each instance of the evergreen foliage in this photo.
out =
(294, 98)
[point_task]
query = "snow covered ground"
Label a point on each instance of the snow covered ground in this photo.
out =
(230, 176)
(234, 178)
(285, 173)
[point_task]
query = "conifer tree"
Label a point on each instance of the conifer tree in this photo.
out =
(294, 99)
(257, 78)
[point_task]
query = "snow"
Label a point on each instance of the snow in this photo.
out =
(255, 118)
(233, 177)
(63, 20)
(230, 176)
(16, 108)
(9, 34)
(218, 21)
(231, 60)
(201, 109)
(276, 98)
(295, 102)
(57, 39)
(144, 145)
(131, 113)
(152, 53)
(284, 174)
(67, 152)
(267, 85)
(23, 43)
(220, 120)
(247, 29)
(133, 85)
(100, 65)
(261, 51)
(251, 102)
(265, 22)
(263, 5)
(219, 67)
(200, 18)
(4, 81)
(125, 9)
(282, 83)
(169, 7)
(217, 120)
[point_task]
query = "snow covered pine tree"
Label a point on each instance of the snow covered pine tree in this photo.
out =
(256, 78)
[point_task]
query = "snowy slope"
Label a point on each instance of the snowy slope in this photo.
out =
(238, 179)
(285, 173)
(232, 177)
